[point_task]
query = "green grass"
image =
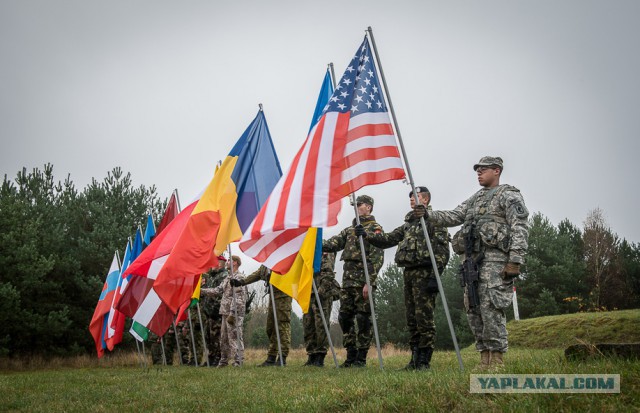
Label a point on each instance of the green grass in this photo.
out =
(119, 384)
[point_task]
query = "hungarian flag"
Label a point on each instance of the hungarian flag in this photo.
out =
(352, 145)
(228, 205)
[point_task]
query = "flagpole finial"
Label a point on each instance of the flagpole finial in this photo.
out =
(260, 106)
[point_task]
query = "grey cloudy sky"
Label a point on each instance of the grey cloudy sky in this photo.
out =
(163, 89)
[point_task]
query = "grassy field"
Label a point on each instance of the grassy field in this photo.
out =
(119, 384)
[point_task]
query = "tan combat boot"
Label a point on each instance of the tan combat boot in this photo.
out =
(485, 359)
(496, 360)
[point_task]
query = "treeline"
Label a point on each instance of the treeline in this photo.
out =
(56, 244)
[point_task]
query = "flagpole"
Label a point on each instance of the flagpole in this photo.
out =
(275, 321)
(235, 305)
(415, 194)
(193, 339)
(205, 351)
(324, 321)
(164, 356)
(175, 333)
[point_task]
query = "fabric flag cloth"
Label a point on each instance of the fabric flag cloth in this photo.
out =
(146, 309)
(149, 232)
(228, 205)
(170, 213)
(195, 298)
(98, 325)
(298, 281)
(353, 145)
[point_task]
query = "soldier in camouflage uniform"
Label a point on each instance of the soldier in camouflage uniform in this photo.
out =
(355, 312)
(420, 285)
(283, 313)
(497, 217)
(232, 310)
(211, 311)
(315, 336)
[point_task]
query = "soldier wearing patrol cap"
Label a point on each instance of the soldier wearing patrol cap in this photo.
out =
(420, 285)
(355, 312)
(496, 217)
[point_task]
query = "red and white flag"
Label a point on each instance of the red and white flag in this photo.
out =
(353, 145)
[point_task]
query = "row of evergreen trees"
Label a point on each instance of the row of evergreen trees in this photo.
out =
(56, 244)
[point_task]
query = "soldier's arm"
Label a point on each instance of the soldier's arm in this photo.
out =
(451, 218)
(441, 247)
(386, 240)
(517, 217)
(335, 243)
(257, 275)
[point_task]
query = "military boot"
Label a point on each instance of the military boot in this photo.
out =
(352, 355)
(361, 358)
(496, 362)
(414, 357)
(270, 361)
(284, 361)
(311, 360)
(424, 358)
(319, 362)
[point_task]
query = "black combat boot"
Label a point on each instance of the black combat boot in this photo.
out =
(352, 355)
(284, 361)
(424, 358)
(311, 360)
(270, 361)
(414, 358)
(319, 362)
(361, 358)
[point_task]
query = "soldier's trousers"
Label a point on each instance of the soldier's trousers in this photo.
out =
(315, 336)
(283, 312)
(231, 342)
(488, 321)
(419, 305)
(355, 319)
(212, 337)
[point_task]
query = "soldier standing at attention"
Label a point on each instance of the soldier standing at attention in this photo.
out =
(420, 285)
(315, 336)
(496, 218)
(355, 312)
(283, 313)
(211, 309)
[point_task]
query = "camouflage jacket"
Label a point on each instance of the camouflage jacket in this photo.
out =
(412, 246)
(498, 218)
(227, 291)
(211, 303)
(325, 280)
(347, 242)
(264, 274)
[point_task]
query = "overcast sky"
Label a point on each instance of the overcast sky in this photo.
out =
(164, 89)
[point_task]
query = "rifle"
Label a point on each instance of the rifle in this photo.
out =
(469, 274)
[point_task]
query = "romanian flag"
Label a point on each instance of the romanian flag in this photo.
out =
(226, 208)
(98, 325)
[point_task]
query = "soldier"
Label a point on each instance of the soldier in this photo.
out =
(283, 313)
(211, 309)
(232, 310)
(355, 312)
(315, 336)
(496, 217)
(420, 285)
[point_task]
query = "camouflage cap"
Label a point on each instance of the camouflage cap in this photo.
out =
(364, 199)
(489, 161)
(420, 190)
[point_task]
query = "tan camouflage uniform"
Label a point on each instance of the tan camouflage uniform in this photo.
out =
(232, 312)
(498, 217)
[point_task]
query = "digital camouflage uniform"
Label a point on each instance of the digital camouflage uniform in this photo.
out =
(498, 217)
(315, 335)
(211, 312)
(232, 311)
(355, 312)
(283, 313)
(420, 285)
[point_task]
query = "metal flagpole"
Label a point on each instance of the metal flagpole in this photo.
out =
(369, 290)
(415, 194)
(144, 356)
(324, 322)
(139, 357)
(205, 350)
(235, 306)
(275, 322)
(164, 356)
(175, 333)
(193, 339)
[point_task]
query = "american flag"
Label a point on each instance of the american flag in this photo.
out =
(351, 146)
